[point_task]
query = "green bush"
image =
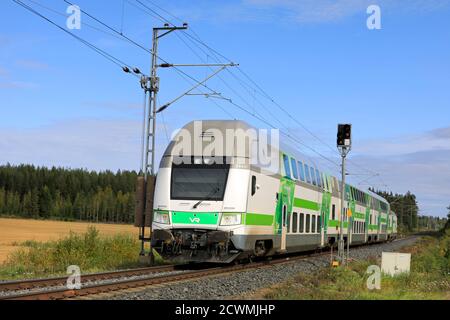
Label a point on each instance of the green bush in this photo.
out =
(90, 251)
(429, 278)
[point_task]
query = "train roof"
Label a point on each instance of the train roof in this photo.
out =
(223, 125)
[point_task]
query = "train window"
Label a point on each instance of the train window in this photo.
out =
(288, 222)
(287, 167)
(308, 223)
(294, 168)
(319, 179)
(308, 176)
(313, 176)
(319, 224)
(294, 222)
(253, 185)
(198, 181)
(301, 171)
(313, 227)
(333, 212)
(302, 222)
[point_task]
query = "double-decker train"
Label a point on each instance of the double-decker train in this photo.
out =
(215, 204)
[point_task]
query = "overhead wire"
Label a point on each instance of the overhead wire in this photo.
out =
(93, 47)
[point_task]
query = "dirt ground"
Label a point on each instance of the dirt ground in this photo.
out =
(16, 231)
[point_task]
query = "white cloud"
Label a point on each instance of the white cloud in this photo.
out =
(301, 11)
(32, 65)
(84, 143)
(18, 85)
(416, 163)
(438, 139)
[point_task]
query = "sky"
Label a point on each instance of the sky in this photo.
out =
(62, 104)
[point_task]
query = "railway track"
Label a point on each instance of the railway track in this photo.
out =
(14, 286)
(64, 293)
(49, 293)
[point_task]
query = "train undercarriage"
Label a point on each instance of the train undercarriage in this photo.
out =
(195, 245)
(215, 246)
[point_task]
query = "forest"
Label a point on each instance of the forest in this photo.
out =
(67, 194)
(407, 210)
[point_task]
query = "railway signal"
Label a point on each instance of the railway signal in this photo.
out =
(344, 144)
(344, 136)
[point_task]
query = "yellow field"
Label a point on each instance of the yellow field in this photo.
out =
(16, 231)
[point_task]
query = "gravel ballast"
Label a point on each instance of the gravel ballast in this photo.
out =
(246, 282)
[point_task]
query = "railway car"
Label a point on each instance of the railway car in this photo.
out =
(229, 207)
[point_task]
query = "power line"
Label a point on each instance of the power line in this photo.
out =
(160, 17)
(101, 52)
(256, 115)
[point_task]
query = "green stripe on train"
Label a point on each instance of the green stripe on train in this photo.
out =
(180, 217)
(256, 219)
(359, 215)
(336, 223)
(306, 204)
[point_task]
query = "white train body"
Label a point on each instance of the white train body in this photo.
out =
(229, 207)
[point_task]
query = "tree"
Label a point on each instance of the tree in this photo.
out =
(447, 225)
(61, 193)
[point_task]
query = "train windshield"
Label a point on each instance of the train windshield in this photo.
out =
(199, 181)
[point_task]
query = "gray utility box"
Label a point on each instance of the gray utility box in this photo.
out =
(394, 263)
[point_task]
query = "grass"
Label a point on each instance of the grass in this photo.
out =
(14, 232)
(90, 251)
(429, 278)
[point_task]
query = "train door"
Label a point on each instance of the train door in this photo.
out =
(284, 210)
(284, 218)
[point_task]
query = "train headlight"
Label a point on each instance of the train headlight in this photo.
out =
(161, 217)
(231, 219)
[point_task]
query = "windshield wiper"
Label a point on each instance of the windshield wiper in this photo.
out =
(211, 194)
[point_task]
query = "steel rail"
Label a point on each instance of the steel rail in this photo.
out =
(60, 281)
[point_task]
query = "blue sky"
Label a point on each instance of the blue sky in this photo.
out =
(64, 105)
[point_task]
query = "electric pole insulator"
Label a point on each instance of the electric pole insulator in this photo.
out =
(154, 84)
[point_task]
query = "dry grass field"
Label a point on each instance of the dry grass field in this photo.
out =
(13, 232)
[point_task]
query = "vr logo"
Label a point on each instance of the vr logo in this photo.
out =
(195, 220)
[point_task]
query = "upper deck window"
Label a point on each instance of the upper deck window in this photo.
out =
(313, 176)
(301, 171)
(308, 176)
(294, 168)
(287, 167)
(319, 178)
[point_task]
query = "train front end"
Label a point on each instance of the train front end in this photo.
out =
(200, 198)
